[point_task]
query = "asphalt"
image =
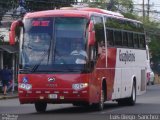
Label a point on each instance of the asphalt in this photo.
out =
(10, 95)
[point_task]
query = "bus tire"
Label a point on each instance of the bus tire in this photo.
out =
(100, 105)
(40, 107)
(132, 100)
(121, 102)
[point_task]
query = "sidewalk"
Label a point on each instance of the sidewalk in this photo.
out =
(157, 79)
(10, 95)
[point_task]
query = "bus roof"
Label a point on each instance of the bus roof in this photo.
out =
(107, 12)
(58, 12)
(76, 12)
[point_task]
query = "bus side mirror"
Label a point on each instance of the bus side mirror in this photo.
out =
(12, 32)
(91, 34)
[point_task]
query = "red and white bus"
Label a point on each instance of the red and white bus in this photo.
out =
(114, 68)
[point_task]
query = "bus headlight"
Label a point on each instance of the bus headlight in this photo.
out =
(79, 86)
(25, 86)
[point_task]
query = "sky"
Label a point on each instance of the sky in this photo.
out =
(155, 4)
(154, 8)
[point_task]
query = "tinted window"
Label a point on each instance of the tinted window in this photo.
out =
(125, 39)
(142, 41)
(99, 29)
(110, 40)
(118, 38)
(136, 40)
(130, 39)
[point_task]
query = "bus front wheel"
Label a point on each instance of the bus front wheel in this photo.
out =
(40, 107)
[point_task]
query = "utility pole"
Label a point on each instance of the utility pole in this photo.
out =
(148, 11)
(143, 10)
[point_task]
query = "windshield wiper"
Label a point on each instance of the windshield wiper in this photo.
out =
(34, 68)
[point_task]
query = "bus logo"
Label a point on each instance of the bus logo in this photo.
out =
(126, 56)
(51, 79)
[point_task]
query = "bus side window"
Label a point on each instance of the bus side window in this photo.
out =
(125, 39)
(130, 39)
(136, 40)
(118, 37)
(110, 40)
(141, 41)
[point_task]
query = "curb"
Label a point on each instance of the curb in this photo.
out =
(8, 97)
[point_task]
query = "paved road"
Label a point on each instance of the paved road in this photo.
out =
(147, 104)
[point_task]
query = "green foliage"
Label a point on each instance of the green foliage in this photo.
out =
(98, 3)
(35, 5)
(47, 4)
(131, 15)
(127, 5)
(124, 6)
(8, 4)
(152, 30)
(154, 47)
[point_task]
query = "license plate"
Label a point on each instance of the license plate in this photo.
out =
(52, 96)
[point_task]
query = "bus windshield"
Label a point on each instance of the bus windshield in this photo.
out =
(53, 44)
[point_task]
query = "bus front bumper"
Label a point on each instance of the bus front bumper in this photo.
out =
(57, 96)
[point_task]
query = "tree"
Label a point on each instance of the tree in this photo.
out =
(96, 3)
(152, 29)
(113, 5)
(6, 5)
(37, 5)
(125, 7)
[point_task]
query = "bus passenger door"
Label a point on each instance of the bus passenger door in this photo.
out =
(101, 51)
(97, 55)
